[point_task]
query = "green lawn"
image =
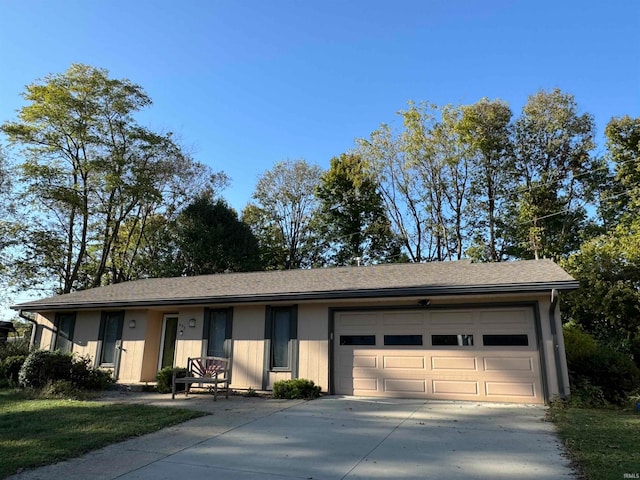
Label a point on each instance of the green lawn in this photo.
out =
(40, 432)
(605, 444)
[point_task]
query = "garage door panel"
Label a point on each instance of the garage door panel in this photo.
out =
(448, 319)
(404, 362)
(405, 385)
(365, 361)
(501, 318)
(402, 319)
(453, 363)
(508, 364)
(359, 320)
(510, 389)
(455, 387)
(365, 384)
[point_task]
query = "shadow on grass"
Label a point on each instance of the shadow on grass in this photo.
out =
(36, 432)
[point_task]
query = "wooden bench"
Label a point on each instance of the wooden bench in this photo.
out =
(204, 370)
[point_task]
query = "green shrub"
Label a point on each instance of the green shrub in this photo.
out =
(165, 378)
(598, 371)
(577, 343)
(586, 395)
(251, 393)
(85, 376)
(10, 369)
(14, 348)
(43, 367)
(296, 388)
(60, 389)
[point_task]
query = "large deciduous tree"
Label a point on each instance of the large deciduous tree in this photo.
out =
(352, 219)
(485, 128)
(423, 176)
(282, 215)
(555, 172)
(89, 168)
(398, 187)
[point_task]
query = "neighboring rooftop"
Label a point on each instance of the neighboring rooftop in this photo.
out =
(398, 279)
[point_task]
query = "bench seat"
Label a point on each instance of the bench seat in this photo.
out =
(206, 371)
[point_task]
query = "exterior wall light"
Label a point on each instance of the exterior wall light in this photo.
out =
(132, 324)
(192, 323)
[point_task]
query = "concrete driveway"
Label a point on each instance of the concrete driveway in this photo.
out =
(334, 438)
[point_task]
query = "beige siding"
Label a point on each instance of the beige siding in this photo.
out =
(45, 321)
(314, 362)
(549, 348)
(248, 347)
(248, 364)
(153, 331)
(562, 368)
(189, 341)
(132, 352)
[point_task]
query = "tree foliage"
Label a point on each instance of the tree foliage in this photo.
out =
(607, 304)
(486, 129)
(555, 176)
(89, 170)
(410, 176)
(283, 213)
(211, 239)
(351, 218)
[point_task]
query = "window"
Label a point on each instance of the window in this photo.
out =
(281, 327)
(505, 340)
(110, 336)
(460, 340)
(65, 324)
(357, 339)
(403, 339)
(217, 329)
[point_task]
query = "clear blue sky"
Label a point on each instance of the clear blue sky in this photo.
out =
(245, 84)
(248, 83)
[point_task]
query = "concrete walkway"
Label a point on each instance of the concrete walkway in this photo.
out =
(330, 438)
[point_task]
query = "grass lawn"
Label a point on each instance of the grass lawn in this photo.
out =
(604, 443)
(40, 432)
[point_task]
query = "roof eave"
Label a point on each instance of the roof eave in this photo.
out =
(323, 295)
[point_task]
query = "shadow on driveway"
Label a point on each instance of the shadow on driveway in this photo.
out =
(331, 438)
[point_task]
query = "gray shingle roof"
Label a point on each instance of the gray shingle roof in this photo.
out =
(437, 278)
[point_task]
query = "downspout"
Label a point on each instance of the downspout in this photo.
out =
(34, 330)
(554, 338)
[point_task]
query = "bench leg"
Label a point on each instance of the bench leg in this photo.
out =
(215, 390)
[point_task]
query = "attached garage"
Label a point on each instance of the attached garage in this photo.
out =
(484, 354)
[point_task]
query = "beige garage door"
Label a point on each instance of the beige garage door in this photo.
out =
(485, 355)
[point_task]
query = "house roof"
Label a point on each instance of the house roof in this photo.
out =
(387, 280)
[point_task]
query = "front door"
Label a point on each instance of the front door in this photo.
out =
(168, 342)
(110, 341)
